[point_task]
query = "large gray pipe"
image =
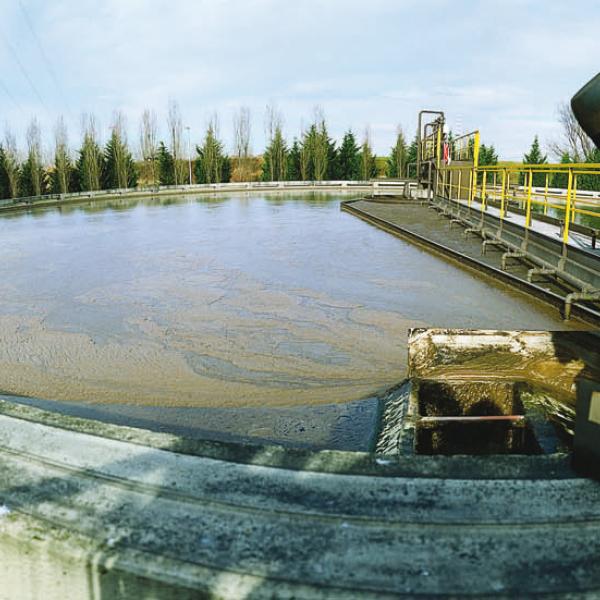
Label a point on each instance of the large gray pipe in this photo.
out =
(586, 108)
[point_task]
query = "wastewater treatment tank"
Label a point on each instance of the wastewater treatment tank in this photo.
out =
(461, 476)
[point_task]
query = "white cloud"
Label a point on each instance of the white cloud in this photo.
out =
(499, 67)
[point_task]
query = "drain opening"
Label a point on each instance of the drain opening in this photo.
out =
(472, 417)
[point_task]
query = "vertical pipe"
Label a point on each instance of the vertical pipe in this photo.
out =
(495, 194)
(459, 182)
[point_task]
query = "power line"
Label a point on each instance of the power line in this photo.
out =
(10, 96)
(25, 74)
(46, 59)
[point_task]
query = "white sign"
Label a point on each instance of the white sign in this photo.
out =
(595, 408)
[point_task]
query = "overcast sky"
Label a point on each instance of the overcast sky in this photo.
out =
(500, 66)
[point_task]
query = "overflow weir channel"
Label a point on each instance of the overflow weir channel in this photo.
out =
(533, 259)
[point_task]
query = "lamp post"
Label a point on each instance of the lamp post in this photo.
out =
(189, 153)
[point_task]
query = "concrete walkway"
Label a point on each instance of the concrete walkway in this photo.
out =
(577, 240)
(89, 510)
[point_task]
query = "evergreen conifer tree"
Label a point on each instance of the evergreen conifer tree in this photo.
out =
(274, 167)
(119, 167)
(333, 162)
(32, 172)
(90, 164)
(349, 158)
(411, 157)
(368, 168)
(11, 167)
(561, 180)
(396, 163)
(226, 170)
(293, 162)
(209, 163)
(61, 176)
(4, 193)
(166, 165)
(535, 157)
(590, 182)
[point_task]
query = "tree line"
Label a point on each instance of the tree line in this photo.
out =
(312, 156)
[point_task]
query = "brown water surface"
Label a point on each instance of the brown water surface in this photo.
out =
(239, 300)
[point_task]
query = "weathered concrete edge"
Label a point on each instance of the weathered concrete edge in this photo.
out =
(185, 190)
(555, 466)
(84, 563)
(582, 312)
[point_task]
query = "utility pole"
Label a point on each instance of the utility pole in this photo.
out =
(189, 153)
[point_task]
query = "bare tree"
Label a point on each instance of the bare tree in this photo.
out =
(367, 160)
(321, 145)
(574, 141)
(118, 151)
(33, 166)
(149, 143)
(306, 152)
(175, 125)
(273, 121)
(211, 153)
(242, 132)
(276, 152)
(62, 160)
(91, 159)
(11, 163)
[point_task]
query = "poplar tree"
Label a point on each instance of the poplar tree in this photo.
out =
(396, 163)
(4, 193)
(368, 167)
(62, 174)
(11, 165)
(32, 173)
(90, 163)
(349, 158)
(148, 145)
(242, 133)
(175, 126)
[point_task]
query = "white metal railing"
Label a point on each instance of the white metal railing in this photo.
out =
(199, 188)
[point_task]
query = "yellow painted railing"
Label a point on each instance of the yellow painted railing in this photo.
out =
(568, 192)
